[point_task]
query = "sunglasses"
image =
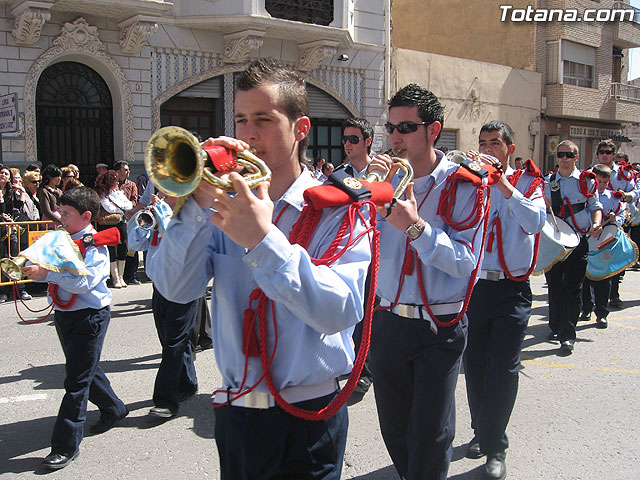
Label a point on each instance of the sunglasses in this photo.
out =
(605, 152)
(403, 127)
(35, 181)
(566, 154)
(352, 139)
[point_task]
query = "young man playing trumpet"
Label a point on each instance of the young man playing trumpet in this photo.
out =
(308, 309)
(500, 305)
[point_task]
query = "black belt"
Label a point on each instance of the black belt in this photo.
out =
(564, 212)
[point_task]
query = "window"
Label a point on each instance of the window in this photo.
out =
(325, 140)
(578, 64)
(318, 12)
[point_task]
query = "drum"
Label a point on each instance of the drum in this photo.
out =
(632, 215)
(613, 258)
(555, 244)
(607, 237)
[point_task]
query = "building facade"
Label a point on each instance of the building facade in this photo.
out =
(94, 78)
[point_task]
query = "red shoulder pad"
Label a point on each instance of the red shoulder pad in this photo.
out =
(530, 168)
(466, 174)
(323, 196)
(583, 183)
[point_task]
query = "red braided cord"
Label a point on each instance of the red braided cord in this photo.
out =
(502, 260)
(573, 218)
(472, 279)
(447, 203)
(584, 187)
(29, 322)
(338, 402)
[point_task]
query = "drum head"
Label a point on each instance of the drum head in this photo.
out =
(564, 234)
(608, 232)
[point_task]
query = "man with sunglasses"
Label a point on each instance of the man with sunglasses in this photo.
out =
(622, 179)
(573, 196)
(420, 330)
(500, 305)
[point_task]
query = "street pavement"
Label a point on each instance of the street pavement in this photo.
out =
(576, 418)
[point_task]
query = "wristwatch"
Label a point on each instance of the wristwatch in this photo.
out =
(415, 230)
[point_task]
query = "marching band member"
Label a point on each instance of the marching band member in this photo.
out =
(500, 305)
(428, 257)
(82, 316)
(263, 281)
(622, 180)
(613, 210)
(573, 196)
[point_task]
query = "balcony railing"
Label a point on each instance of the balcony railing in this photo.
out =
(624, 91)
(626, 6)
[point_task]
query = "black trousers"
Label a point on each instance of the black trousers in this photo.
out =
(201, 331)
(415, 373)
(600, 290)
(256, 444)
(81, 335)
(498, 316)
(564, 283)
(177, 373)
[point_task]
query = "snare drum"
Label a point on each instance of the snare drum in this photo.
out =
(555, 244)
(607, 236)
(632, 215)
(613, 258)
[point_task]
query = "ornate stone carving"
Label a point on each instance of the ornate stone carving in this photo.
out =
(134, 36)
(313, 53)
(78, 37)
(28, 25)
(239, 45)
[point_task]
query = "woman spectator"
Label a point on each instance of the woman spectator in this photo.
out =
(9, 246)
(49, 193)
(113, 205)
(71, 184)
(67, 174)
(31, 182)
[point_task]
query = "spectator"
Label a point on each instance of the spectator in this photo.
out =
(131, 192)
(101, 168)
(49, 193)
(67, 174)
(31, 181)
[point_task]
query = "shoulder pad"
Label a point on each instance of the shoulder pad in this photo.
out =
(530, 168)
(352, 186)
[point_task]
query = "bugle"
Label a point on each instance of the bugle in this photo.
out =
(175, 163)
(378, 176)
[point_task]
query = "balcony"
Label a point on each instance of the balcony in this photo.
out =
(624, 102)
(627, 34)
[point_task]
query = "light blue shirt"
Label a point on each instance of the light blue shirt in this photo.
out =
(91, 289)
(148, 191)
(521, 218)
(569, 187)
(315, 307)
(446, 256)
(627, 186)
(611, 204)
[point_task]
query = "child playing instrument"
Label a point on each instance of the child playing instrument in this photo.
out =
(82, 315)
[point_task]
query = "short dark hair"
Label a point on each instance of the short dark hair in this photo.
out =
(119, 164)
(503, 128)
(363, 125)
(293, 93)
(49, 172)
(429, 108)
(32, 167)
(602, 170)
(83, 199)
(607, 142)
(623, 156)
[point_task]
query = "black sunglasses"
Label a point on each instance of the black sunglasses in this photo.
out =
(566, 154)
(605, 152)
(403, 127)
(353, 139)
(34, 181)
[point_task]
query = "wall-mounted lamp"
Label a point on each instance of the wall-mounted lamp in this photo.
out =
(343, 58)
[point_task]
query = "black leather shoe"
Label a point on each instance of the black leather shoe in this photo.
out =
(105, 423)
(56, 461)
(132, 281)
(363, 385)
(567, 346)
(495, 468)
(615, 303)
(162, 412)
(553, 336)
(585, 317)
(602, 322)
(473, 449)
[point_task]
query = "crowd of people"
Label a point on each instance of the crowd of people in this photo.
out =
(456, 252)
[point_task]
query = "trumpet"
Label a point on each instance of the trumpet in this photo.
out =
(146, 220)
(175, 163)
(378, 176)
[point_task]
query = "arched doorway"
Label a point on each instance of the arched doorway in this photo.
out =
(74, 118)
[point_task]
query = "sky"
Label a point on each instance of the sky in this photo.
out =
(634, 59)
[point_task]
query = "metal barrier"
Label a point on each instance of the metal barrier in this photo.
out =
(20, 235)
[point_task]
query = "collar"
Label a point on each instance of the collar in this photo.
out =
(574, 174)
(294, 194)
(440, 173)
(88, 229)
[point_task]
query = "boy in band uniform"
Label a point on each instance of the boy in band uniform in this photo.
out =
(613, 209)
(81, 329)
(573, 196)
(414, 361)
(500, 305)
(244, 242)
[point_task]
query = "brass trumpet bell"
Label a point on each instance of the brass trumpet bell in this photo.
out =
(12, 267)
(175, 163)
(146, 220)
(405, 166)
